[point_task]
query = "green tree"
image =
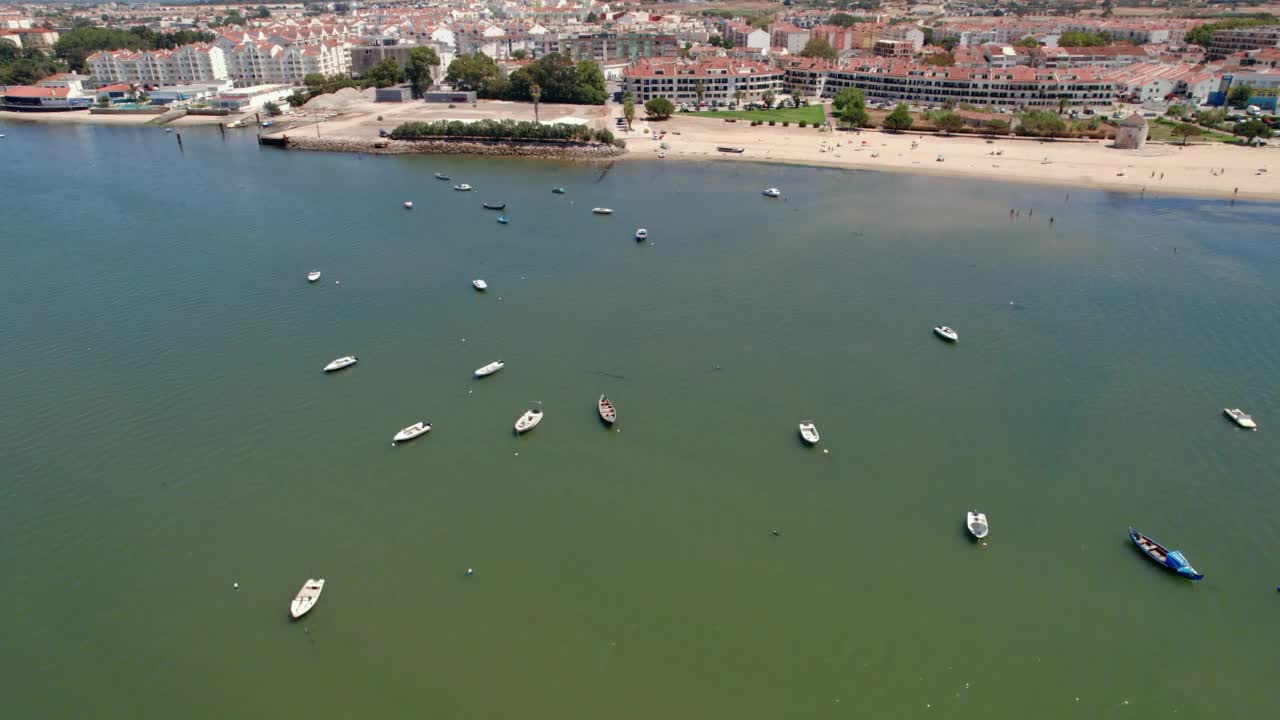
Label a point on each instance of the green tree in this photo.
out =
(1063, 104)
(1186, 131)
(1239, 95)
(476, 71)
(659, 108)
(854, 115)
(819, 48)
(25, 66)
(1211, 118)
(1250, 129)
(262, 12)
(1202, 34)
(842, 20)
(1027, 42)
(948, 43)
(1176, 111)
(1043, 123)
(271, 108)
(767, 98)
(560, 79)
(727, 43)
(1076, 38)
(628, 109)
(297, 99)
(715, 41)
(1000, 127)
(104, 101)
(417, 70)
(948, 121)
(900, 119)
(849, 96)
(519, 54)
(535, 94)
(385, 74)
(738, 95)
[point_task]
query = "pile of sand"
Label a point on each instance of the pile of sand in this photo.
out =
(339, 101)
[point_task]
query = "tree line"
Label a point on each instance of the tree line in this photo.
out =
(77, 44)
(502, 130)
(556, 79)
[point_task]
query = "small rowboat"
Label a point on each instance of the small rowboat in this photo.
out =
(608, 413)
(342, 362)
(408, 205)
(771, 192)
(809, 432)
(602, 211)
(1239, 417)
(559, 190)
(735, 150)
(462, 187)
(977, 524)
(313, 276)
(441, 176)
(494, 206)
(946, 333)
(479, 284)
(411, 432)
(490, 369)
(306, 599)
(528, 421)
(1173, 560)
(642, 234)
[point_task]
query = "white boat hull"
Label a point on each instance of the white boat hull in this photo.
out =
(341, 363)
(413, 431)
(602, 211)
(977, 524)
(312, 277)
(306, 598)
(1240, 418)
(528, 421)
(947, 334)
(480, 285)
(809, 433)
(490, 369)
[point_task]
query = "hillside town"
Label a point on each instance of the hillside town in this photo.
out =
(1208, 72)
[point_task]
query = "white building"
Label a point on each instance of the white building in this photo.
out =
(269, 64)
(185, 65)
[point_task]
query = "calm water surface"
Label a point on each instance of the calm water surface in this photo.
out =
(168, 432)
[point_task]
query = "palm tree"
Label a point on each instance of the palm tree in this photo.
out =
(535, 93)
(699, 91)
(1063, 104)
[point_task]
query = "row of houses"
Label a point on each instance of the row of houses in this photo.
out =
(247, 64)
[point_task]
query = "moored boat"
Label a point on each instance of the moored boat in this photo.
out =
(528, 421)
(977, 524)
(408, 205)
(642, 234)
(306, 598)
(602, 211)
(946, 333)
(809, 433)
(313, 276)
(462, 187)
(608, 413)
(441, 176)
(1173, 560)
(343, 362)
(479, 284)
(502, 220)
(490, 369)
(559, 190)
(411, 432)
(771, 192)
(1241, 418)
(494, 206)
(728, 149)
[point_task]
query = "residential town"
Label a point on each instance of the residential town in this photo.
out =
(991, 57)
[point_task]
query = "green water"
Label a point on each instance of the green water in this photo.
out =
(168, 432)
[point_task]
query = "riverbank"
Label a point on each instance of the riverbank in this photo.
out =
(496, 148)
(1208, 170)
(83, 117)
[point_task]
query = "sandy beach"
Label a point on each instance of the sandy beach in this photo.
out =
(80, 117)
(1208, 170)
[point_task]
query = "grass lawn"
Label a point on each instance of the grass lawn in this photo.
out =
(808, 113)
(1160, 130)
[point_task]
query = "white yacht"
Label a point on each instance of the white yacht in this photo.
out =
(490, 369)
(411, 432)
(642, 234)
(480, 285)
(602, 211)
(342, 362)
(772, 192)
(408, 205)
(1239, 417)
(313, 276)
(977, 524)
(462, 187)
(946, 333)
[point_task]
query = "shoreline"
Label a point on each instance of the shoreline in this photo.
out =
(491, 148)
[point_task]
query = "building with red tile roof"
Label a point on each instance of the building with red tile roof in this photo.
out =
(720, 79)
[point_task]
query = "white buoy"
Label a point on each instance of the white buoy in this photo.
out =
(235, 585)
(469, 572)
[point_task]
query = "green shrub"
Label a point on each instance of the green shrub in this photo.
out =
(803, 124)
(786, 123)
(772, 123)
(501, 129)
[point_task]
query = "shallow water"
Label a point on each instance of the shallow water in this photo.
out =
(169, 433)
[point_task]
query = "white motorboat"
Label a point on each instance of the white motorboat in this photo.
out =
(977, 524)
(1239, 417)
(528, 421)
(490, 369)
(307, 598)
(342, 362)
(480, 285)
(411, 432)
(408, 205)
(462, 188)
(946, 333)
(809, 433)
(602, 211)
(772, 192)
(313, 276)
(642, 234)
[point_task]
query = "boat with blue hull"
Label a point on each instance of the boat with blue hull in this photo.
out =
(1172, 559)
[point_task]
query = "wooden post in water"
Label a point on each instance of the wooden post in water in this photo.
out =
(179, 139)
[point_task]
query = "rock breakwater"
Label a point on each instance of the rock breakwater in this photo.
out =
(508, 148)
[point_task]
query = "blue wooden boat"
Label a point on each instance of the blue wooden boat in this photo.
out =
(1173, 560)
(503, 219)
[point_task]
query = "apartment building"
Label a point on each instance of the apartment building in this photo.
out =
(1226, 42)
(253, 64)
(721, 79)
(786, 35)
(899, 81)
(181, 66)
(1106, 56)
(609, 48)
